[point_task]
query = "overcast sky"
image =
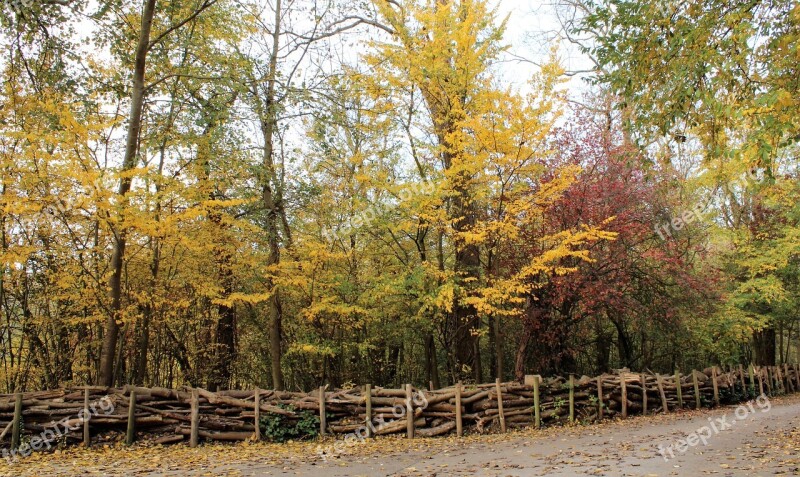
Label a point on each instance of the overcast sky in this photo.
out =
(533, 28)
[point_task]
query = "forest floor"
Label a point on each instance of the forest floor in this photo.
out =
(760, 443)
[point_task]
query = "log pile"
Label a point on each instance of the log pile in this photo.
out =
(165, 415)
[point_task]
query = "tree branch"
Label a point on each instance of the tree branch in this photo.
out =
(206, 4)
(356, 21)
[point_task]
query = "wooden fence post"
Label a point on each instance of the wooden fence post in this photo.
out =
(194, 434)
(679, 388)
(696, 389)
(624, 387)
(409, 413)
(86, 436)
(752, 376)
(572, 399)
(644, 394)
(500, 406)
(368, 399)
(16, 427)
(715, 385)
(599, 398)
(131, 434)
(661, 392)
(536, 409)
(323, 419)
(257, 412)
(459, 422)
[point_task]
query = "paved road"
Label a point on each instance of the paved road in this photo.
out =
(739, 441)
(765, 441)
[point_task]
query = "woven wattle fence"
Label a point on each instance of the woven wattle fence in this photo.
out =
(92, 414)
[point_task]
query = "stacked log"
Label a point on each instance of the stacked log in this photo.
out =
(165, 415)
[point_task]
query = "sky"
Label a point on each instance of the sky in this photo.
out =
(533, 29)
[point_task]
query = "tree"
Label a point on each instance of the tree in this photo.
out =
(636, 282)
(145, 42)
(689, 71)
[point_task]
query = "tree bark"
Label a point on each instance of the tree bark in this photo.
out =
(764, 347)
(275, 338)
(225, 340)
(522, 355)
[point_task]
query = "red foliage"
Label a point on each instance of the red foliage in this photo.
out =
(636, 277)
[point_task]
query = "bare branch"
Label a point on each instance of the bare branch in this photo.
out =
(356, 21)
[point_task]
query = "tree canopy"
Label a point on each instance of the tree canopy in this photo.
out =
(286, 193)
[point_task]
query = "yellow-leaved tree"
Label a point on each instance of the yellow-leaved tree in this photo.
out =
(481, 144)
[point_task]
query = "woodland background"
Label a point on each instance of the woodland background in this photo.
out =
(286, 193)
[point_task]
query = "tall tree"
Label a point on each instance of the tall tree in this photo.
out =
(720, 73)
(144, 44)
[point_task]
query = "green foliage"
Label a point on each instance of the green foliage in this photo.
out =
(713, 84)
(280, 428)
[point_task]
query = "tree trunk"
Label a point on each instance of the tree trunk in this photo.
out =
(798, 345)
(764, 347)
(624, 346)
(431, 364)
(271, 197)
(797, 348)
(477, 362)
(498, 347)
(64, 348)
(143, 342)
(225, 340)
(275, 337)
(392, 371)
(522, 355)
(603, 361)
(111, 331)
(467, 264)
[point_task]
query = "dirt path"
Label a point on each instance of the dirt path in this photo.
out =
(766, 441)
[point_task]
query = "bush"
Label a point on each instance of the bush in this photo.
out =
(279, 428)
